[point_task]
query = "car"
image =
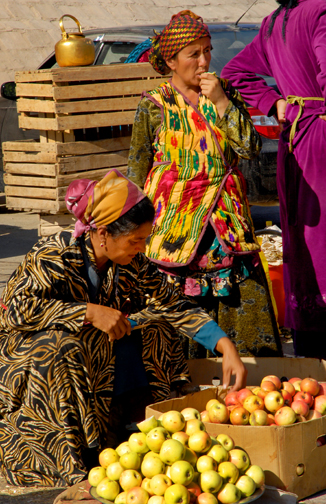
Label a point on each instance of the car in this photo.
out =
(115, 46)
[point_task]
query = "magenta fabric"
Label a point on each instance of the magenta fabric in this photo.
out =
(299, 68)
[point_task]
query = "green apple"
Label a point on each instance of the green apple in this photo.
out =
(182, 472)
(206, 463)
(226, 441)
(190, 413)
(95, 475)
(240, 459)
(108, 489)
(129, 479)
(200, 442)
(146, 484)
(210, 481)
(151, 466)
(229, 494)
(228, 471)
(173, 421)
(160, 483)
(181, 436)
(246, 485)
(218, 453)
(107, 456)
(147, 425)
(123, 448)
(137, 495)
(130, 460)
(114, 471)
(156, 437)
(137, 442)
(257, 474)
(194, 425)
(190, 456)
(176, 494)
(121, 498)
(171, 451)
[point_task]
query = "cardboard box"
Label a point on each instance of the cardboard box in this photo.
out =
(280, 451)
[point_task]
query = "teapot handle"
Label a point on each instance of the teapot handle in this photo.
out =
(64, 34)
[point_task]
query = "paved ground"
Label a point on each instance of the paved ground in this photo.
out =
(18, 232)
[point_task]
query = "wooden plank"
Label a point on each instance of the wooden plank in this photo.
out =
(77, 122)
(32, 105)
(27, 157)
(32, 192)
(65, 180)
(98, 146)
(64, 219)
(36, 90)
(103, 72)
(28, 146)
(95, 89)
(14, 180)
(34, 204)
(31, 169)
(76, 164)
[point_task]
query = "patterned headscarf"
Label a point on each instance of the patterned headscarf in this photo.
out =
(184, 28)
(100, 203)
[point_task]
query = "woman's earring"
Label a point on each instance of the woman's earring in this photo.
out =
(102, 244)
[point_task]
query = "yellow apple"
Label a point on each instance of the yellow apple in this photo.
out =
(95, 475)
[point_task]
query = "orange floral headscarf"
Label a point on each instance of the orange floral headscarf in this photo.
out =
(101, 203)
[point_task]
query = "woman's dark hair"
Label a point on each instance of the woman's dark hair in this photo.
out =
(284, 4)
(139, 214)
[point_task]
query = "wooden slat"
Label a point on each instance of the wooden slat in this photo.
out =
(65, 180)
(32, 192)
(77, 122)
(84, 163)
(96, 90)
(36, 90)
(31, 169)
(28, 146)
(34, 204)
(32, 105)
(103, 72)
(26, 157)
(99, 146)
(64, 219)
(14, 180)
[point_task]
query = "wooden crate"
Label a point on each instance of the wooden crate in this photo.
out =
(60, 101)
(50, 224)
(37, 174)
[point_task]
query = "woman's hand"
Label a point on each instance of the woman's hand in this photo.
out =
(281, 107)
(108, 320)
(232, 364)
(211, 87)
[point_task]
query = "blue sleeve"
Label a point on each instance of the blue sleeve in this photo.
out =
(209, 335)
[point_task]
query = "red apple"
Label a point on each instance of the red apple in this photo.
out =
(268, 386)
(252, 403)
(231, 399)
(322, 388)
(320, 404)
(194, 491)
(262, 393)
(289, 387)
(243, 393)
(239, 416)
(273, 401)
(204, 416)
(287, 397)
(300, 407)
(310, 385)
(274, 379)
(285, 416)
(295, 379)
(304, 396)
(270, 419)
(313, 414)
(206, 498)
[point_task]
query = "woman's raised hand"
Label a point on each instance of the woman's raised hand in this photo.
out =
(211, 87)
(108, 320)
(232, 364)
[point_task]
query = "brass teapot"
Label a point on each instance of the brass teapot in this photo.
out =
(74, 49)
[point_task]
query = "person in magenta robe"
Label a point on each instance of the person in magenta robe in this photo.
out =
(291, 47)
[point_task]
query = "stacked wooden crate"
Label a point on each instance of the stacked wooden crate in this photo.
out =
(84, 116)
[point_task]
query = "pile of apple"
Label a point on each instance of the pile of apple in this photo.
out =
(173, 460)
(272, 403)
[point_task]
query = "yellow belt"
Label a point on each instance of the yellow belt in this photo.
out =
(292, 100)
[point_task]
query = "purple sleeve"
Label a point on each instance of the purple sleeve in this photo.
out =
(242, 71)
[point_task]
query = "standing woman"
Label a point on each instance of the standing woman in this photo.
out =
(68, 354)
(291, 47)
(187, 136)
